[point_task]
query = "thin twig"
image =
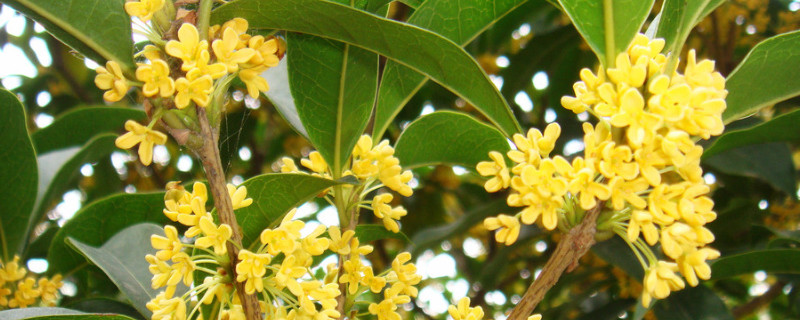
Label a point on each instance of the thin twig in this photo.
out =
(209, 157)
(759, 302)
(565, 257)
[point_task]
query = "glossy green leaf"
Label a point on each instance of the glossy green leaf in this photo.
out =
(678, 18)
(122, 259)
(780, 129)
(77, 126)
(99, 29)
(692, 303)
(273, 196)
(592, 18)
(18, 314)
(334, 86)
(433, 55)
(771, 162)
(460, 21)
(767, 75)
(18, 173)
(771, 261)
(97, 222)
(280, 95)
(368, 233)
(448, 137)
(105, 305)
(55, 179)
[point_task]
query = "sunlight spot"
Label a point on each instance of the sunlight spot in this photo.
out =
(760, 275)
(710, 178)
(523, 101)
(38, 28)
(550, 115)
(251, 103)
(328, 216)
(573, 146)
(161, 155)
(496, 298)
(87, 170)
(39, 48)
(16, 25)
(473, 248)
(89, 63)
(42, 120)
(583, 116)
(540, 80)
(237, 180)
(37, 265)
(524, 29)
(497, 80)
(541, 246)
(185, 163)
(14, 61)
(43, 98)
(245, 153)
(794, 6)
(69, 289)
(432, 301)
(459, 170)
(11, 82)
(427, 108)
(306, 210)
(763, 204)
(458, 288)
(502, 61)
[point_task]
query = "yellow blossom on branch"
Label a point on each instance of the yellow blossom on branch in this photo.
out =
(145, 137)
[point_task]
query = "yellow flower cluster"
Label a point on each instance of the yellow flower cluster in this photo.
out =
(18, 290)
(462, 311)
(640, 163)
(374, 166)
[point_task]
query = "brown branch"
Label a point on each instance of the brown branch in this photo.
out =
(209, 157)
(565, 257)
(759, 302)
(341, 300)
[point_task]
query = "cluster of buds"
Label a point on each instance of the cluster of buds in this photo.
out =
(20, 290)
(640, 167)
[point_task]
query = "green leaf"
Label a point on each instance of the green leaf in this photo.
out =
(678, 18)
(448, 137)
(77, 126)
(280, 95)
(18, 314)
(697, 303)
(367, 233)
(105, 305)
(772, 261)
(413, 3)
(767, 75)
(273, 196)
(99, 29)
(122, 259)
(460, 21)
(433, 236)
(433, 55)
(782, 128)
(83, 317)
(593, 20)
(18, 173)
(771, 162)
(53, 184)
(99, 221)
(334, 87)
(616, 252)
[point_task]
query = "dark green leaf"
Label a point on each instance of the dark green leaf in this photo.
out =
(434, 56)
(122, 259)
(697, 303)
(101, 220)
(53, 184)
(460, 21)
(99, 29)
(18, 174)
(19, 314)
(591, 18)
(273, 196)
(413, 3)
(448, 137)
(772, 261)
(334, 87)
(83, 317)
(105, 305)
(77, 126)
(367, 233)
(678, 18)
(767, 75)
(780, 129)
(771, 162)
(432, 236)
(616, 252)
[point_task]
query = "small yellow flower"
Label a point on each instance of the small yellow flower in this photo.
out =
(215, 70)
(389, 215)
(167, 246)
(11, 271)
(369, 280)
(49, 289)
(313, 245)
(145, 137)
(659, 281)
(214, 236)
(143, 9)
(111, 79)
(156, 79)
(315, 162)
(497, 169)
(340, 243)
(288, 274)
(462, 311)
(182, 269)
(239, 196)
(253, 81)
(251, 268)
(188, 47)
(288, 165)
(266, 52)
(693, 265)
(25, 294)
(642, 221)
(167, 309)
(226, 53)
(195, 87)
(508, 225)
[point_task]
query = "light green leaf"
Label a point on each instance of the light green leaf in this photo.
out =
(99, 29)
(281, 96)
(273, 196)
(334, 86)
(98, 222)
(105, 305)
(678, 18)
(771, 162)
(767, 75)
(83, 317)
(56, 177)
(19, 314)
(772, 261)
(77, 126)
(367, 233)
(595, 19)
(448, 137)
(693, 303)
(18, 174)
(780, 129)
(122, 259)
(460, 21)
(433, 55)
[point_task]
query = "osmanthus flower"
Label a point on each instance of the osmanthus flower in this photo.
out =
(143, 9)
(385, 212)
(239, 196)
(188, 47)
(640, 169)
(145, 137)
(167, 246)
(112, 80)
(156, 79)
(214, 236)
(195, 87)
(226, 52)
(251, 268)
(463, 311)
(18, 289)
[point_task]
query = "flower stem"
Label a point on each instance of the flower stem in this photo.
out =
(209, 157)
